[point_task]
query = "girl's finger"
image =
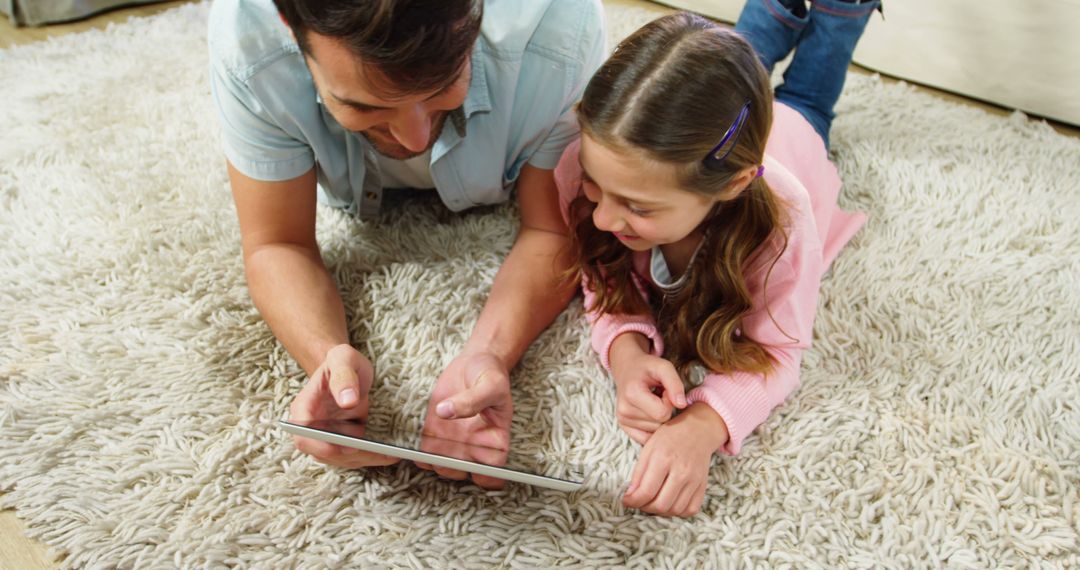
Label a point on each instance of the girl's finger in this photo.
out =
(694, 506)
(639, 472)
(682, 503)
(647, 426)
(674, 392)
(649, 405)
(633, 412)
(639, 436)
(666, 495)
(649, 484)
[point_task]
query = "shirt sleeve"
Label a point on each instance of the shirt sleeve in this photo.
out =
(784, 325)
(607, 327)
(253, 141)
(566, 130)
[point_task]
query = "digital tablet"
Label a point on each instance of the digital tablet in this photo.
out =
(444, 453)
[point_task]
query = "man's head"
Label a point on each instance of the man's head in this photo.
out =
(388, 69)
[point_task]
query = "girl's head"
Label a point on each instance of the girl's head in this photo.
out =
(674, 127)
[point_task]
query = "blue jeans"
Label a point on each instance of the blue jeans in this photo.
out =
(823, 41)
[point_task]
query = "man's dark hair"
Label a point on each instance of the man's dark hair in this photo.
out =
(417, 46)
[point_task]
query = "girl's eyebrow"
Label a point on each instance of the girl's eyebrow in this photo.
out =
(585, 176)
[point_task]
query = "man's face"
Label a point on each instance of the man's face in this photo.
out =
(399, 127)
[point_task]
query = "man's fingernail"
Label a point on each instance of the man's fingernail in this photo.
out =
(445, 409)
(347, 397)
(682, 400)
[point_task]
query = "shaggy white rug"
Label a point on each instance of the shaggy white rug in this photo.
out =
(938, 424)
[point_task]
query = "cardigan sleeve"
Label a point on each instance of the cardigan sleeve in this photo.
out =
(782, 320)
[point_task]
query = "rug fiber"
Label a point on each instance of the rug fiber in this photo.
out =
(938, 424)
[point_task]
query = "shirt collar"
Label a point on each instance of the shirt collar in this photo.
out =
(478, 99)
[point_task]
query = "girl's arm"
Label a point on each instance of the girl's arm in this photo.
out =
(744, 401)
(784, 325)
(607, 327)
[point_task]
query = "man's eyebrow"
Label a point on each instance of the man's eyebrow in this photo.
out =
(370, 107)
(585, 176)
(357, 104)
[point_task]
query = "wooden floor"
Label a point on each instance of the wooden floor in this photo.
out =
(17, 552)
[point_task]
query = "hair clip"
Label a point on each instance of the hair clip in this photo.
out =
(760, 171)
(716, 156)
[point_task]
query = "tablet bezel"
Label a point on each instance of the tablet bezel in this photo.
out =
(394, 450)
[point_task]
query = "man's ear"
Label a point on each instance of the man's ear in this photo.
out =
(287, 26)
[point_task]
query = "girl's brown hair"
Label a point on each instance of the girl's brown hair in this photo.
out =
(670, 91)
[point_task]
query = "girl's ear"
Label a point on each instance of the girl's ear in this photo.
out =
(740, 183)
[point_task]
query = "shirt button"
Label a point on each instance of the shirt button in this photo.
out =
(372, 196)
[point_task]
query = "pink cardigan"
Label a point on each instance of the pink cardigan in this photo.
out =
(797, 168)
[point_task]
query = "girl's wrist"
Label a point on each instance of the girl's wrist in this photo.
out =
(628, 345)
(707, 427)
(625, 348)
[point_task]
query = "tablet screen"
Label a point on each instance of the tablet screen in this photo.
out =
(518, 467)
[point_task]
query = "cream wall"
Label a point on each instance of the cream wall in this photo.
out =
(1021, 54)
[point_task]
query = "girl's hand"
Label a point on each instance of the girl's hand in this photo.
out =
(648, 388)
(673, 470)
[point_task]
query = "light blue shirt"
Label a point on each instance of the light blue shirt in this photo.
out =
(530, 65)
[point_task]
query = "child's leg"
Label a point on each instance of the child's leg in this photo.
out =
(815, 78)
(772, 27)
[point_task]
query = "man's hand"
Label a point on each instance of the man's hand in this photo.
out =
(648, 388)
(471, 399)
(672, 472)
(337, 391)
(300, 301)
(471, 404)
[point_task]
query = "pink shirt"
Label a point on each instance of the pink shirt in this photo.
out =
(797, 168)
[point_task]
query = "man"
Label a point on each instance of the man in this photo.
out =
(334, 100)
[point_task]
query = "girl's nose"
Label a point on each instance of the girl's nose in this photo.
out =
(606, 217)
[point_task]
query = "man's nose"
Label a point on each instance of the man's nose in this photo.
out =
(412, 128)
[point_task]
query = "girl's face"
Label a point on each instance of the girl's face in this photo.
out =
(637, 199)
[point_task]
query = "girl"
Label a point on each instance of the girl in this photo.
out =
(702, 215)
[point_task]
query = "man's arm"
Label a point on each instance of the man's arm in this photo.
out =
(299, 300)
(285, 273)
(471, 399)
(528, 291)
